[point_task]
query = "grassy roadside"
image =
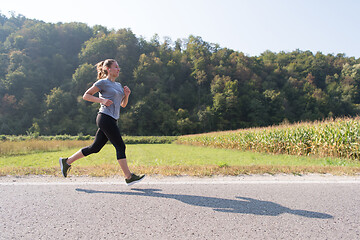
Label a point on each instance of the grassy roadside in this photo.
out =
(173, 159)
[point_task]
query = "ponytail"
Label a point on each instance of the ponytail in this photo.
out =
(99, 69)
(102, 66)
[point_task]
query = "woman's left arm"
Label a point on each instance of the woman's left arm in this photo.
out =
(125, 99)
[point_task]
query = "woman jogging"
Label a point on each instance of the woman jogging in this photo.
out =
(111, 96)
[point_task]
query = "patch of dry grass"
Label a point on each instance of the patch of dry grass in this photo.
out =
(8, 148)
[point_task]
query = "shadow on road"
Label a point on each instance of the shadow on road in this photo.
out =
(243, 205)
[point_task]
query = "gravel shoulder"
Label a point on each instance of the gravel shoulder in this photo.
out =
(182, 179)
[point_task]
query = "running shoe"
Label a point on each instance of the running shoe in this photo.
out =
(134, 179)
(65, 168)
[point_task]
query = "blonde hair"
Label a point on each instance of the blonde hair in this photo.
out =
(101, 68)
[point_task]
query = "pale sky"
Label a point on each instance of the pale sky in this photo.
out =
(248, 26)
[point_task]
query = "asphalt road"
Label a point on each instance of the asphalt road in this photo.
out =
(180, 208)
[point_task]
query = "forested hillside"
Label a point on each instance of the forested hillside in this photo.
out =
(178, 87)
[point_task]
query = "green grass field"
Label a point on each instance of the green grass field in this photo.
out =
(174, 159)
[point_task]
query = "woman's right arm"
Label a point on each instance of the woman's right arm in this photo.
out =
(88, 96)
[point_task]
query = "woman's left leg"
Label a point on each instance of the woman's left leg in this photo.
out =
(111, 130)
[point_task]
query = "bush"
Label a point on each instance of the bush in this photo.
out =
(81, 137)
(149, 139)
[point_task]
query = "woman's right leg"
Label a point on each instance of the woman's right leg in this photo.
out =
(96, 146)
(74, 157)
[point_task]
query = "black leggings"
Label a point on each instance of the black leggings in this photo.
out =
(108, 130)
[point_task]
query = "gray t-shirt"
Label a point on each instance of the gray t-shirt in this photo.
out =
(113, 91)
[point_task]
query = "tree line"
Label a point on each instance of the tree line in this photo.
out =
(178, 87)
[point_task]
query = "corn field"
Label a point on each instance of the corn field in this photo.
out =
(330, 138)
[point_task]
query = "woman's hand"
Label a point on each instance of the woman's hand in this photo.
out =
(127, 91)
(125, 99)
(106, 102)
